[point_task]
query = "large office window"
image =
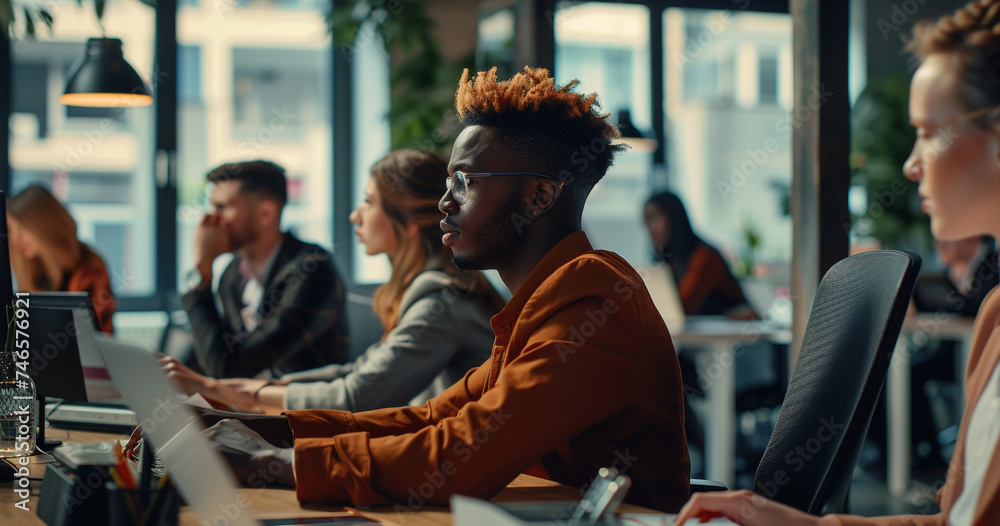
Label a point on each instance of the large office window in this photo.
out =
(254, 82)
(370, 87)
(606, 47)
(727, 76)
(98, 161)
(728, 85)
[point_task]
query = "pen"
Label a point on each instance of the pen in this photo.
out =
(127, 494)
(158, 498)
(122, 475)
(121, 466)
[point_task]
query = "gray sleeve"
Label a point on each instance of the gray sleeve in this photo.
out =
(393, 371)
(320, 374)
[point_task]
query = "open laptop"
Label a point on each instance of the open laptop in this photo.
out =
(69, 367)
(168, 424)
(663, 289)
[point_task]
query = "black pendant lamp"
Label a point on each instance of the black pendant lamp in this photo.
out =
(104, 79)
(630, 135)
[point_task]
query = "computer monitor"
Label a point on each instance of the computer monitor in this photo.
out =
(55, 363)
(77, 301)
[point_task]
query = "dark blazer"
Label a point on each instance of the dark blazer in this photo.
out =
(303, 323)
(936, 293)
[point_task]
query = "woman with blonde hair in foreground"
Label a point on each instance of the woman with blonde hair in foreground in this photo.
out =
(955, 107)
(46, 255)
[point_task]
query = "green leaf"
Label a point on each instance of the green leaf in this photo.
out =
(422, 85)
(99, 9)
(29, 24)
(46, 17)
(6, 14)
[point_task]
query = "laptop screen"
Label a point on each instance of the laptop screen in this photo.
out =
(65, 361)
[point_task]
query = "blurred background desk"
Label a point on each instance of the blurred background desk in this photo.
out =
(917, 330)
(267, 503)
(718, 336)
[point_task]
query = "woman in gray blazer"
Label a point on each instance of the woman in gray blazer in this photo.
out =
(435, 318)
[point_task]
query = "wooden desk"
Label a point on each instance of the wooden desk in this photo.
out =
(717, 336)
(277, 503)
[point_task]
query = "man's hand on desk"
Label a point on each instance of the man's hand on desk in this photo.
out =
(253, 459)
(272, 429)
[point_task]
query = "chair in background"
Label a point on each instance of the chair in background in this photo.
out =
(848, 342)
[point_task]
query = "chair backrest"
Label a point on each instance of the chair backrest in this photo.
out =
(848, 342)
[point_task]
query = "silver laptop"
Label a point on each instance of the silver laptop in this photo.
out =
(663, 289)
(199, 472)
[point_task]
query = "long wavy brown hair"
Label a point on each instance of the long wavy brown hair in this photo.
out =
(37, 211)
(410, 184)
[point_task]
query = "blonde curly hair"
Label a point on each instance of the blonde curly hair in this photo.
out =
(972, 34)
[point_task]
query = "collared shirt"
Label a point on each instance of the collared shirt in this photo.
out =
(583, 375)
(253, 288)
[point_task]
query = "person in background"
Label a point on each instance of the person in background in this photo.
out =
(46, 255)
(955, 107)
(970, 272)
(706, 288)
(704, 281)
(435, 317)
(971, 268)
(282, 299)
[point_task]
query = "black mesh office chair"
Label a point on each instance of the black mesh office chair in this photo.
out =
(852, 330)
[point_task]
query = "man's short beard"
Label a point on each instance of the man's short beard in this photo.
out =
(500, 239)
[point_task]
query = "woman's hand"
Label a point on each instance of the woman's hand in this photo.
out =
(743, 507)
(188, 381)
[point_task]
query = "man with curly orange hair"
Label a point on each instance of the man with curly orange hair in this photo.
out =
(583, 374)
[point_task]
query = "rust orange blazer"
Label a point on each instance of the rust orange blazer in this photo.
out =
(91, 276)
(583, 375)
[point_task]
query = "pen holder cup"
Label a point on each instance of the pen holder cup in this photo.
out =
(125, 506)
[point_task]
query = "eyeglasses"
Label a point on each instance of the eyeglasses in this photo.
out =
(459, 183)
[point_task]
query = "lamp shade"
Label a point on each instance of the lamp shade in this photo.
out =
(104, 79)
(631, 135)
